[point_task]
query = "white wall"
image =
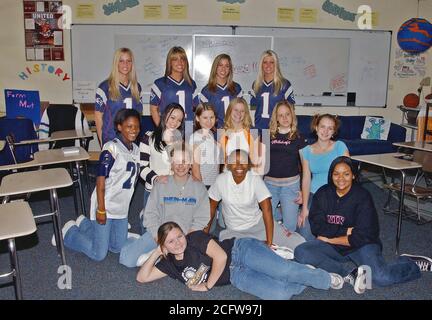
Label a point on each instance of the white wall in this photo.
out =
(391, 14)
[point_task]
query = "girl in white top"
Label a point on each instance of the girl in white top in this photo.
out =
(206, 150)
(246, 205)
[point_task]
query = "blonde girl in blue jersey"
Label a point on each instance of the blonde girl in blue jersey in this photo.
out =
(176, 86)
(269, 88)
(221, 88)
(120, 90)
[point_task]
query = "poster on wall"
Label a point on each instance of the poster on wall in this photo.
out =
(23, 103)
(43, 30)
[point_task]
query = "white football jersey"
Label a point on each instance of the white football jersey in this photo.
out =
(120, 166)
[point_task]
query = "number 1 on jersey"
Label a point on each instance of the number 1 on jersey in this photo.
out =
(266, 98)
(182, 100)
(226, 101)
(128, 103)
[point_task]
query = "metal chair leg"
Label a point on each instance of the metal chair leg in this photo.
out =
(15, 269)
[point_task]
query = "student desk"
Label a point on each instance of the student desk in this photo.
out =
(392, 162)
(62, 135)
(417, 145)
(56, 156)
(16, 220)
(40, 180)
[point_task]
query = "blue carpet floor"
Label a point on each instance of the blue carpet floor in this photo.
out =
(109, 280)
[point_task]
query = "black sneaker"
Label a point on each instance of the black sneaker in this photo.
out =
(424, 263)
(357, 278)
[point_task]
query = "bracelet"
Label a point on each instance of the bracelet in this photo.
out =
(205, 285)
(101, 212)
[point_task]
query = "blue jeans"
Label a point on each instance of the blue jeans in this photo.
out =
(286, 196)
(130, 253)
(257, 270)
(95, 240)
(305, 231)
(323, 255)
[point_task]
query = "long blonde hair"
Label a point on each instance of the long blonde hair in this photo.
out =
(247, 121)
(182, 54)
(212, 82)
(114, 77)
(278, 79)
(274, 126)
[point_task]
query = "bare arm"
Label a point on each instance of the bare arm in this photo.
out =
(100, 194)
(154, 112)
(219, 260)
(148, 272)
(266, 209)
(342, 240)
(305, 190)
(196, 170)
(99, 123)
(213, 206)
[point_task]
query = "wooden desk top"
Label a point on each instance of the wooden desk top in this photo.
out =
(16, 220)
(33, 181)
(388, 160)
(418, 145)
(59, 135)
(46, 157)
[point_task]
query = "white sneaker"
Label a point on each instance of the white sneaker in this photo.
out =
(79, 220)
(133, 235)
(65, 229)
(357, 278)
(336, 281)
(284, 252)
(143, 258)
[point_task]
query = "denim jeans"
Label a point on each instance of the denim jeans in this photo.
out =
(95, 240)
(257, 270)
(305, 231)
(322, 255)
(286, 196)
(130, 253)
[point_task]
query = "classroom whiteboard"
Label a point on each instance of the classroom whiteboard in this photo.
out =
(339, 63)
(93, 48)
(306, 52)
(245, 53)
(312, 71)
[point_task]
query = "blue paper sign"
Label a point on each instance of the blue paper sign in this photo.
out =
(23, 103)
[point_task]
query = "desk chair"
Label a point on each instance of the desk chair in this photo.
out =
(35, 181)
(16, 220)
(415, 189)
(60, 117)
(15, 130)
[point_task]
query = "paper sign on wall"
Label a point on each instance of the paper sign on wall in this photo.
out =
(23, 103)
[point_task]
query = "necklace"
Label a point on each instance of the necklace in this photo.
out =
(181, 188)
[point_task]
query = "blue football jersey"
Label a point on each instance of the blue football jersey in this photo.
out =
(220, 100)
(265, 101)
(110, 107)
(166, 90)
